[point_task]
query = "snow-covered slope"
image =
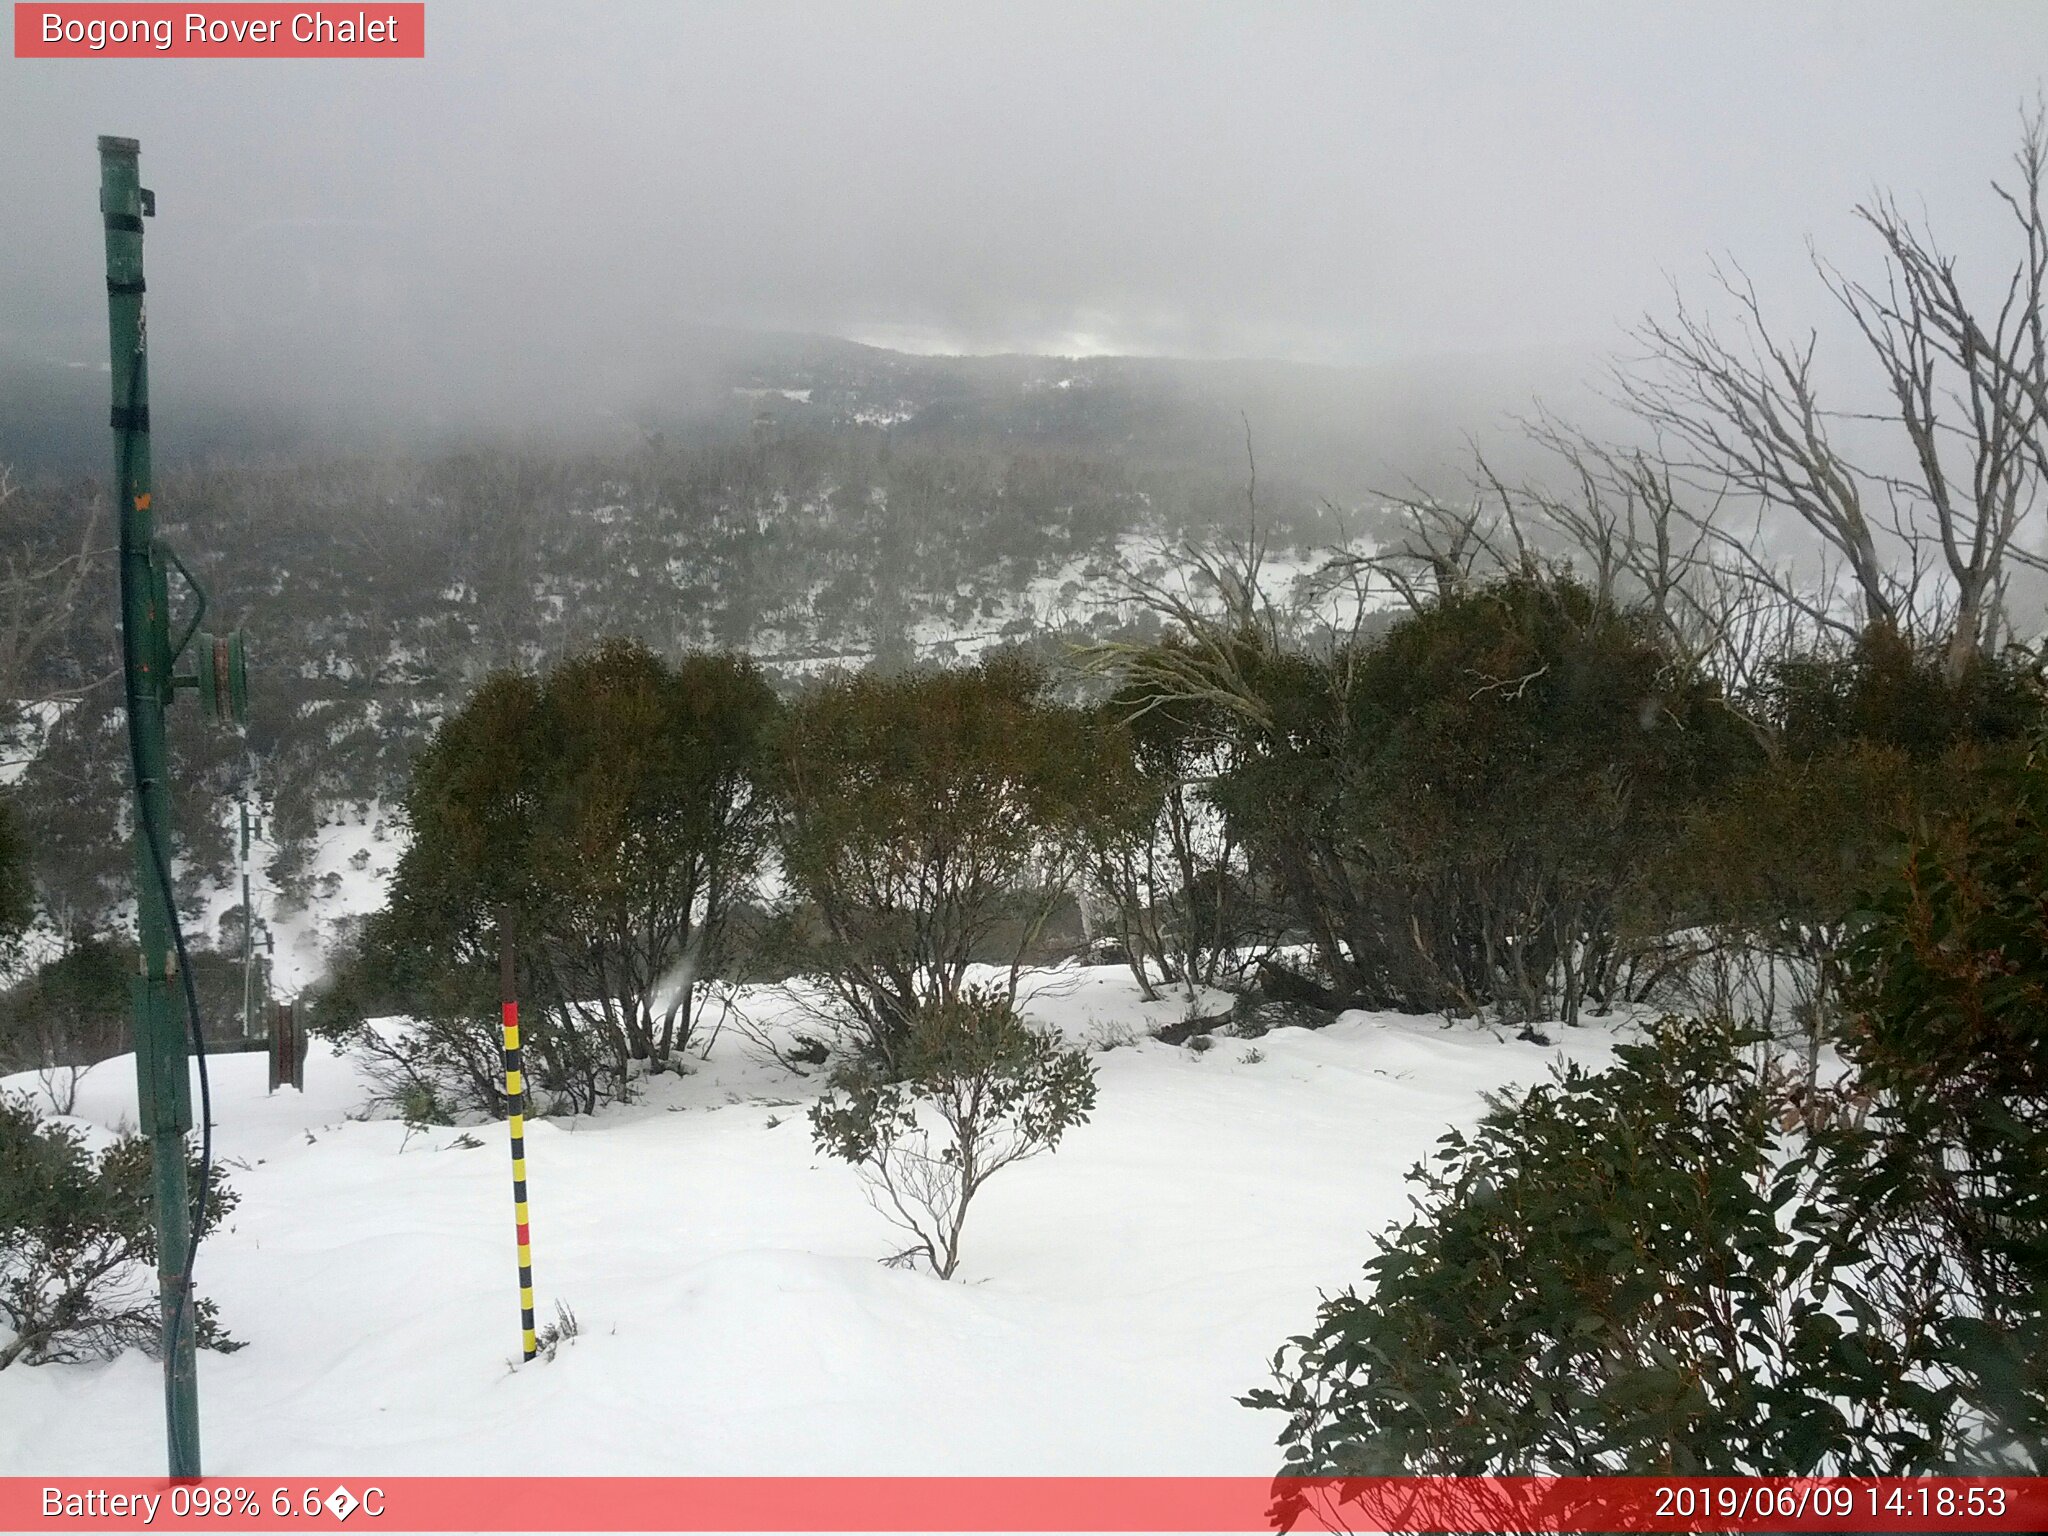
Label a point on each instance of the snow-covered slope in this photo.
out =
(1113, 1300)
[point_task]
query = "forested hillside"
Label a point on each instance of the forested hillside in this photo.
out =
(378, 589)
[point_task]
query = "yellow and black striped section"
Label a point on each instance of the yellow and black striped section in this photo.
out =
(515, 1094)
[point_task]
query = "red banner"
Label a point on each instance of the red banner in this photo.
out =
(1016, 1504)
(373, 30)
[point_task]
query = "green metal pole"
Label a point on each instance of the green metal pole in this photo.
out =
(248, 933)
(165, 1098)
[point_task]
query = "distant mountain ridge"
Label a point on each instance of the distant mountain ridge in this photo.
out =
(1338, 430)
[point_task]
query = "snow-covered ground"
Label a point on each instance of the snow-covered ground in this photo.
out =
(1114, 1298)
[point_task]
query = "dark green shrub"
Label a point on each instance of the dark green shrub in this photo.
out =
(1464, 813)
(1632, 1271)
(71, 1009)
(1887, 693)
(78, 1245)
(17, 885)
(74, 1009)
(1949, 1032)
(1872, 751)
(1762, 880)
(1664, 1268)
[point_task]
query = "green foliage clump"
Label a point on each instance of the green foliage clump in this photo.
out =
(1871, 751)
(1887, 693)
(1762, 879)
(1791, 845)
(1620, 1272)
(1952, 960)
(1948, 1027)
(78, 1247)
(969, 1089)
(1182, 901)
(74, 1009)
(1656, 1269)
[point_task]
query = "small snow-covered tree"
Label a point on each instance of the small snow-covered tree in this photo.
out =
(978, 1090)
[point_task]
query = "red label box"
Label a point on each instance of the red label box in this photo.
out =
(367, 29)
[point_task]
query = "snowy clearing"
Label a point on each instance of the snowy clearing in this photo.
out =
(1115, 1297)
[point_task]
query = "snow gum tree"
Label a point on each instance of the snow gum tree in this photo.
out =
(929, 821)
(1458, 813)
(653, 825)
(1169, 863)
(610, 813)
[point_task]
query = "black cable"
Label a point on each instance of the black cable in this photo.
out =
(152, 836)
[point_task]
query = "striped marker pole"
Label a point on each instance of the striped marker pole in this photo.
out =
(515, 1094)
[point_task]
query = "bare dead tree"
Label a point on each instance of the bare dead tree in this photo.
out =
(1726, 608)
(1629, 526)
(1927, 550)
(1215, 600)
(1970, 386)
(1441, 547)
(1744, 415)
(2021, 363)
(1223, 617)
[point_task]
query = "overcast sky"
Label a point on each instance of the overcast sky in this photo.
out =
(555, 183)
